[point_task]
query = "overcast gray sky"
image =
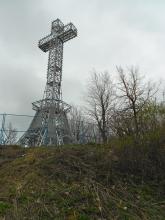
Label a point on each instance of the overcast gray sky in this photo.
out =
(110, 33)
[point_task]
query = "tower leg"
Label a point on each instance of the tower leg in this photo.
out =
(50, 130)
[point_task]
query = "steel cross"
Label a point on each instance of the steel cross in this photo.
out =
(53, 43)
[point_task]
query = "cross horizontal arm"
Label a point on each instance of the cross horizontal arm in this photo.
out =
(44, 43)
(69, 31)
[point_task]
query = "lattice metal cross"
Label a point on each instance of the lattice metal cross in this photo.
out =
(53, 43)
(50, 124)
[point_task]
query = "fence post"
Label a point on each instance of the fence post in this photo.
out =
(2, 131)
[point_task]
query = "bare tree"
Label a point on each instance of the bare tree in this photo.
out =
(82, 131)
(76, 122)
(135, 95)
(11, 135)
(99, 99)
(121, 123)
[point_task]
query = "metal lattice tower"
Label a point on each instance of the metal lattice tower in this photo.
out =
(50, 125)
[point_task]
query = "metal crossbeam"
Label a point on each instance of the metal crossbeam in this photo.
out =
(64, 33)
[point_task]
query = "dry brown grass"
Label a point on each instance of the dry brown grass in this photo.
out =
(72, 183)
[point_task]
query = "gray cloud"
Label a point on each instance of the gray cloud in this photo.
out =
(110, 33)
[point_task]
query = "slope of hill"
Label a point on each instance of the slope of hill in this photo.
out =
(72, 183)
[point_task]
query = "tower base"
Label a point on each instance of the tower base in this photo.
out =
(49, 127)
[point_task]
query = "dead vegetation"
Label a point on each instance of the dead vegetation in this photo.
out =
(76, 183)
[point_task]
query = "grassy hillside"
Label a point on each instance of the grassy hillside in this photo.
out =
(74, 183)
